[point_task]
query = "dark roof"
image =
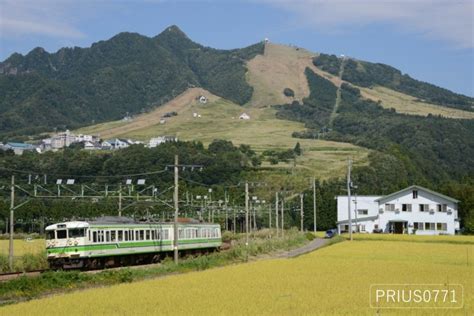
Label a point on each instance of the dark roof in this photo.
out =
(417, 187)
(359, 219)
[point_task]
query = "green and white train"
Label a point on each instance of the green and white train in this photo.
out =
(119, 241)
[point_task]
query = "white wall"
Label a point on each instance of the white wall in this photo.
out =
(384, 217)
(363, 202)
(424, 197)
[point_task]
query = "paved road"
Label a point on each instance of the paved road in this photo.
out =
(313, 245)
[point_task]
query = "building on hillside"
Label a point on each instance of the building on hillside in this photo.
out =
(244, 116)
(86, 138)
(19, 148)
(118, 143)
(202, 99)
(92, 145)
(160, 140)
(62, 140)
(413, 210)
(105, 145)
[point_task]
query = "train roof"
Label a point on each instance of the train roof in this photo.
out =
(117, 220)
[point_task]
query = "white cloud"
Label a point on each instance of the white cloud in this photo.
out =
(448, 20)
(41, 17)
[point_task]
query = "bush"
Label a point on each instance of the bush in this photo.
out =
(288, 92)
(310, 236)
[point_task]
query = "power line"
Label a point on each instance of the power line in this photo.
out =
(86, 176)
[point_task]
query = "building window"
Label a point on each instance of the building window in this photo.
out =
(430, 226)
(362, 228)
(415, 194)
(406, 207)
(418, 226)
(390, 207)
(444, 208)
(362, 212)
(424, 207)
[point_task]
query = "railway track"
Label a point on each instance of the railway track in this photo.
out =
(13, 275)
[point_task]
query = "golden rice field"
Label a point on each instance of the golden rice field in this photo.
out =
(459, 239)
(22, 247)
(334, 280)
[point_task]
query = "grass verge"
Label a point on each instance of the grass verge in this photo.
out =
(25, 288)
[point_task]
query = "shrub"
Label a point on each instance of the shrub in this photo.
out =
(288, 92)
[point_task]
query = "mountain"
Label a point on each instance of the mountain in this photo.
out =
(126, 74)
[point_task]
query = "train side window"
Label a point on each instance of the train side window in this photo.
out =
(113, 235)
(50, 234)
(94, 236)
(126, 235)
(153, 234)
(100, 236)
(107, 236)
(142, 234)
(61, 234)
(119, 235)
(147, 234)
(89, 235)
(130, 235)
(76, 232)
(166, 234)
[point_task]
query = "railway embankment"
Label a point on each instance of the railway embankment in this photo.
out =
(262, 244)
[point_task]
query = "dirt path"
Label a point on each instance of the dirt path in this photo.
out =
(338, 95)
(313, 245)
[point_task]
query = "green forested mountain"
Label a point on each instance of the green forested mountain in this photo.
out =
(425, 150)
(127, 73)
(366, 74)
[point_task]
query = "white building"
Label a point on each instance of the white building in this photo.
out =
(413, 210)
(118, 143)
(62, 140)
(155, 141)
(244, 116)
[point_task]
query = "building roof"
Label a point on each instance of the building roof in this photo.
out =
(20, 145)
(417, 187)
(359, 219)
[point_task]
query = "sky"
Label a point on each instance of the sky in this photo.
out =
(431, 40)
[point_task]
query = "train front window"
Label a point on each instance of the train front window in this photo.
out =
(61, 234)
(50, 234)
(76, 232)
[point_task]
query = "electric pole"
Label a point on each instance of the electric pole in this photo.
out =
(120, 200)
(301, 211)
(226, 212)
(282, 217)
(246, 213)
(270, 215)
(175, 248)
(12, 208)
(277, 206)
(349, 166)
(314, 203)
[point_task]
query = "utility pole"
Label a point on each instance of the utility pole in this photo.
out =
(270, 215)
(120, 200)
(276, 211)
(12, 208)
(175, 248)
(233, 219)
(282, 216)
(355, 211)
(314, 203)
(246, 213)
(349, 166)
(301, 211)
(226, 211)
